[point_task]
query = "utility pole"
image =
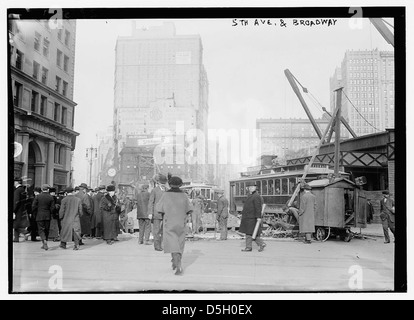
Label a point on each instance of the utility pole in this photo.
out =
(337, 131)
(91, 154)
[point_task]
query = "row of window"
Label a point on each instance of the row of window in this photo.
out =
(363, 74)
(362, 60)
(269, 187)
(363, 68)
(362, 81)
(38, 104)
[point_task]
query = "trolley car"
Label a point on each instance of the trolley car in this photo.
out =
(276, 185)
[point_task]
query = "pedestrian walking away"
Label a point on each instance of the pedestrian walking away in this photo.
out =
(252, 211)
(156, 218)
(87, 211)
(44, 205)
(144, 222)
(96, 223)
(222, 214)
(387, 215)
(70, 213)
(174, 207)
(307, 209)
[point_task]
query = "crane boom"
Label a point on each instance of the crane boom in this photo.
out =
(383, 30)
(295, 88)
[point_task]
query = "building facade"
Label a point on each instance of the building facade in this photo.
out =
(42, 79)
(281, 137)
(160, 84)
(367, 78)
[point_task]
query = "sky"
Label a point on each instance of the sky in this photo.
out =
(244, 63)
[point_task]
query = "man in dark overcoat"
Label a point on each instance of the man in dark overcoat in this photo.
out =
(387, 215)
(174, 207)
(307, 210)
(111, 209)
(222, 214)
(44, 204)
(252, 211)
(69, 213)
(54, 219)
(87, 210)
(156, 217)
(142, 215)
(32, 217)
(97, 226)
(20, 215)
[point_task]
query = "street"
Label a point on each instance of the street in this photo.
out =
(209, 265)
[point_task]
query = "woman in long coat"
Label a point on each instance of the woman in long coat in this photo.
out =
(69, 213)
(110, 214)
(307, 213)
(174, 206)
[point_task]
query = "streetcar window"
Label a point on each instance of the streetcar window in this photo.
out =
(270, 186)
(203, 192)
(264, 187)
(292, 184)
(258, 187)
(208, 193)
(277, 186)
(284, 186)
(242, 190)
(237, 189)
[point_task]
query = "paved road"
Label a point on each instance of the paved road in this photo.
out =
(209, 266)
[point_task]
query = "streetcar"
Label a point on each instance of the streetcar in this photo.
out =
(276, 185)
(207, 191)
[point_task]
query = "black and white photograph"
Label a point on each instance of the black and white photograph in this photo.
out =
(220, 149)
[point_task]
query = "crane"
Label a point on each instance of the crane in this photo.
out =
(383, 30)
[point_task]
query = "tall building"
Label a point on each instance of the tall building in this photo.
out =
(42, 63)
(368, 80)
(160, 83)
(283, 136)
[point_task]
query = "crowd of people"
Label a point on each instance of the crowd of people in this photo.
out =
(80, 213)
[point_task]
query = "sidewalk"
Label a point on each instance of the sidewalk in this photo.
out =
(372, 230)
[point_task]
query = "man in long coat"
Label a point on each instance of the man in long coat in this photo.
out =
(174, 207)
(97, 225)
(20, 216)
(252, 211)
(54, 219)
(307, 209)
(387, 215)
(87, 210)
(110, 214)
(44, 204)
(142, 215)
(69, 213)
(222, 214)
(153, 215)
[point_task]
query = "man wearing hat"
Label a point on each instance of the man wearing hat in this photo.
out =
(387, 215)
(142, 215)
(70, 213)
(307, 209)
(54, 219)
(96, 223)
(155, 196)
(252, 211)
(222, 214)
(87, 211)
(174, 207)
(110, 214)
(33, 223)
(20, 217)
(45, 205)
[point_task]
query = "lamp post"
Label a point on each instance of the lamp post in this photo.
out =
(91, 154)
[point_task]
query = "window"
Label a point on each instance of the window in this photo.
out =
(59, 35)
(242, 189)
(258, 187)
(58, 154)
(284, 186)
(270, 186)
(35, 101)
(56, 112)
(65, 63)
(19, 59)
(64, 115)
(67, 36)
(65, 88)
(237, 189)
(36, 68)
(37, 41)
(58, 81)
(264, 187)
(292, 184)
(44, 75)
(17, 99)
(43, 104)
(59, 58)
(46, 47)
